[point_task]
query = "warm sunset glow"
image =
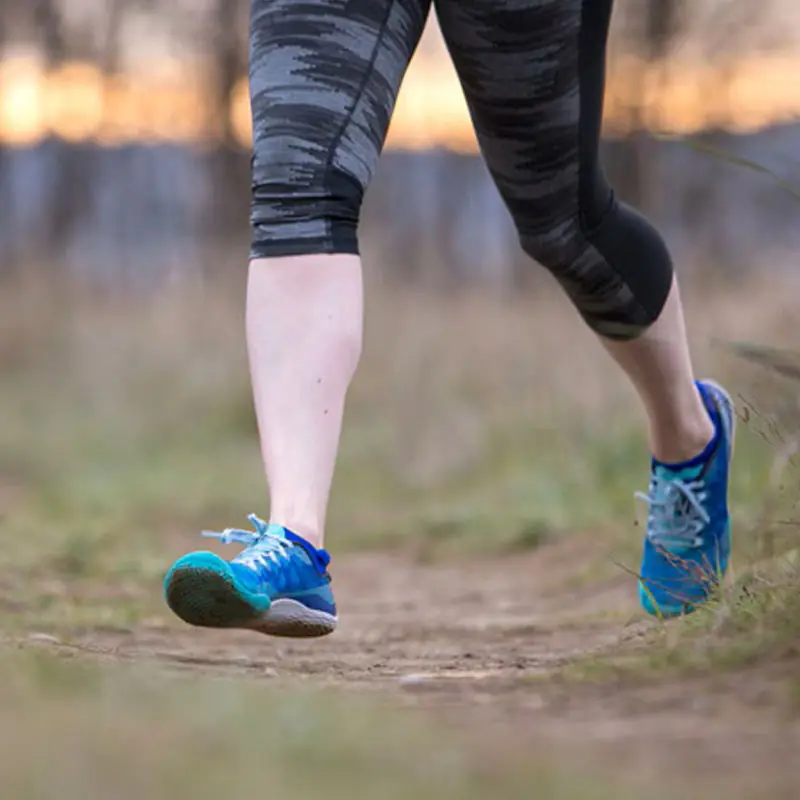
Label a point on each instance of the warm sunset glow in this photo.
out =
(21, 102)
(241, 120)
(76, 102)
(72, 104)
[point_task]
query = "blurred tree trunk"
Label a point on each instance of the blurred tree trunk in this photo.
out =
(651, 34)
(66, 190)
(229, 164)
(47, 19)
(7, 244)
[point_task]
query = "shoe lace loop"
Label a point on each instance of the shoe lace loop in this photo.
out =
(676, 517)
(265, 542)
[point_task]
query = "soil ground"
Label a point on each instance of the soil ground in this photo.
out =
(482, 644)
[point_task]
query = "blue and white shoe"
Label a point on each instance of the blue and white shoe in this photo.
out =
(278, 585)
(688, 539)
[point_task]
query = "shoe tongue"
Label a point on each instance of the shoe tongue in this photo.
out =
(277, 531)
(268, 542)
(669, 472)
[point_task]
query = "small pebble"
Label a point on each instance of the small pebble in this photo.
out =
(413, 680)
(43, 637)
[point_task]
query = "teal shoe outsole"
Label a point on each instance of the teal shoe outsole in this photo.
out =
(201, 590)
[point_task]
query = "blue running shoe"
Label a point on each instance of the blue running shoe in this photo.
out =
(688, 540)
(278, 585)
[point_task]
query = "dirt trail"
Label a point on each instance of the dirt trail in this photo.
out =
(405, 623)
(474, 642)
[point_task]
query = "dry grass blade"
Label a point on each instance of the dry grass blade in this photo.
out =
(741, 161)
(783, 362)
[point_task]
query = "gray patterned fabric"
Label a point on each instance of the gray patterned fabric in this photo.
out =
(324, 79)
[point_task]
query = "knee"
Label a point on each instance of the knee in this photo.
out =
(300, 208)
(617, 271)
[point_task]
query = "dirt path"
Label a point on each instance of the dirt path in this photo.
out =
(474, 642)
(404, 623)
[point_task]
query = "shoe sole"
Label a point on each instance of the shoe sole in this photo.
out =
(682, 609)
(207, 598)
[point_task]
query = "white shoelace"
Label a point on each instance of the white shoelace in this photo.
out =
(266, 543)
(676, 516)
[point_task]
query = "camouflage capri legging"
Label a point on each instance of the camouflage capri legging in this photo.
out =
(324, 77)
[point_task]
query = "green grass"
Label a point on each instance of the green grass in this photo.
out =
(755, 621)
(126, 428)
(80, 732)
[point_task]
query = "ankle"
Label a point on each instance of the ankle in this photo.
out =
(683, 440)
(313, 534)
